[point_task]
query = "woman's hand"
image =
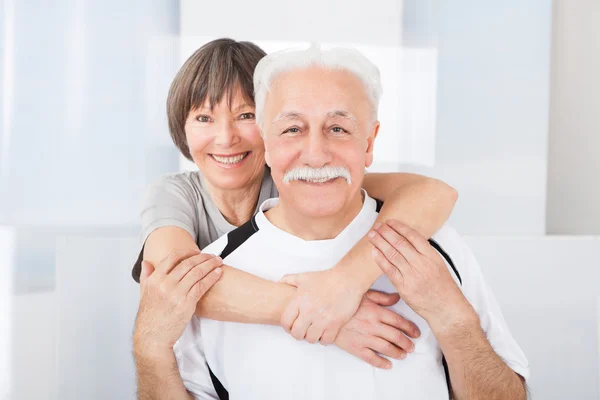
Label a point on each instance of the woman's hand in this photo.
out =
(376, 329)
(419, 274)
(168, 298)
(324, 302)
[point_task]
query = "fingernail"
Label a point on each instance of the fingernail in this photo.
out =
(377, 225)
(218, 271)
(219, 259)
(388, 365)
(371, 234)
(416, 333)
(403, 356)
(374, 252)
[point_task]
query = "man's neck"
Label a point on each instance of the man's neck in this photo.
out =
(236, 205)
(308, 227)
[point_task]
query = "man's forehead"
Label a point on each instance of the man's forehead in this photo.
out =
(297, 114)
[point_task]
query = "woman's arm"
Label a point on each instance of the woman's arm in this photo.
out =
(237, 296)
(421, 202)
(316, 313)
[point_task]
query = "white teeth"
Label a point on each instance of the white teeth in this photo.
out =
(230, 160)
(322, 180)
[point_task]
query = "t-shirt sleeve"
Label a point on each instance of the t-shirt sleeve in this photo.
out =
(170, 201)
(192, 365)
(480, 295)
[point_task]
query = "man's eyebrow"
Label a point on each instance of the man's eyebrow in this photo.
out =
(340, 113)
(287, 115)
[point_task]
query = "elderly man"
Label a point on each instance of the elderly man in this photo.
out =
(318, 114)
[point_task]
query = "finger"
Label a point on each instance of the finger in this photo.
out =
(382, 298)
(418, 241)
(289, 316)
(147, 269)
(291, 279)
(387, 249)
(399, 243)
(328, 337)
(196, 275)
(389, 269)
(386, 348)
(370, 357)
(201, 287)
(300, 327)
(398, 321)
(173, 259)
(186, 265)
(313, 334)
(394, 336)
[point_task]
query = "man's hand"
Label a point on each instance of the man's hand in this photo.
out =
(419, 274)
(168, 297)
(375, 329)
(324, 302)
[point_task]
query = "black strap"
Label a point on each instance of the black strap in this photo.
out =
(219, 388)
(235, 239)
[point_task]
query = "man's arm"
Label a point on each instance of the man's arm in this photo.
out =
(158, 377)
(476, 371)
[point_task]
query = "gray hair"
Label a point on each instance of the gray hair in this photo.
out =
(347, 59)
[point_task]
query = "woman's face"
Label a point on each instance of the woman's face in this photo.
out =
(226, 144)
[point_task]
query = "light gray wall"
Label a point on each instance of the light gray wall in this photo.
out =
(574, 140)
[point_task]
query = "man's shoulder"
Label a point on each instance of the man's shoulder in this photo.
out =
(232, 241)
(217, 246)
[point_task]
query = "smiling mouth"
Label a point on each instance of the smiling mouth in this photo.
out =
(230, 159)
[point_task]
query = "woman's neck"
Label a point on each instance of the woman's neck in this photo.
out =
(236, 205)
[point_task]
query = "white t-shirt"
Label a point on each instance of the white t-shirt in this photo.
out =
(264, 362)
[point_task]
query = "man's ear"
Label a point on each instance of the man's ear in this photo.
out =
(370, 143)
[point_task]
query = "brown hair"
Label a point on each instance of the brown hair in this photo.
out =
(216, 69)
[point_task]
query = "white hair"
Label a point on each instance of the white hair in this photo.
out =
(347, 59)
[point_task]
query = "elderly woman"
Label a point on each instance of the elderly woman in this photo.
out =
(211, 119)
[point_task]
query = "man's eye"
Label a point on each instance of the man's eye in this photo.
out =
(292, 130)
(338, 129)
(203, 118)
(247, 116)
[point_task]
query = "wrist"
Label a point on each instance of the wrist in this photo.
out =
(151, 352)
(353, 281)
(455, 322)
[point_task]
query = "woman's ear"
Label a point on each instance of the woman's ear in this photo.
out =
(370, 143)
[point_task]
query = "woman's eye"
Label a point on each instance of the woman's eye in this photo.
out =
(203, 118)
(292, 130)
(247, 116)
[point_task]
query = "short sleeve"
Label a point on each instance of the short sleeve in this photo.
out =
(170, 201)
(481, 297)
(192, 365)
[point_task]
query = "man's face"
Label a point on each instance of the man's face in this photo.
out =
(314, 119)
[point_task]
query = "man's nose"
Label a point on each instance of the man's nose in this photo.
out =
(316, 150)
(227, 135)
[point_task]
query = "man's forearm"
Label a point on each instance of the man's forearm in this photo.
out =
(242, 297)
(158, 377)
(476, 371)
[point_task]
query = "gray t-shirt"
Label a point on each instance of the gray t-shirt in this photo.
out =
(182, 200)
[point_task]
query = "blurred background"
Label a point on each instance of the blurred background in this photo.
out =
(501, 99)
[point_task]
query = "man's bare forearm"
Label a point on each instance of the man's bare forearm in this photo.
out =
(476, 371)
(242, 297)
(158, 377)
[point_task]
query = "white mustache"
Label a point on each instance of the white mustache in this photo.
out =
(322, 174)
